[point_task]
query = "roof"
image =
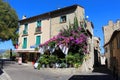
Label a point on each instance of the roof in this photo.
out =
(51, 13)
(113, 36)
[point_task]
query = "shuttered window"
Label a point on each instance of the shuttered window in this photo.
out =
(39, 23)
(24, 43)
(38, 38)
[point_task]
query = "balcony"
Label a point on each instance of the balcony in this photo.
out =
(25, 32)
(38, 30)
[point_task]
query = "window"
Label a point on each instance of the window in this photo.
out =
(38, 28)
(38, 38)
(25, 29)
(39, 23)
(63, 19)
(24, 43)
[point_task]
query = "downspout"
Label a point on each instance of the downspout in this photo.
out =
(50, 25)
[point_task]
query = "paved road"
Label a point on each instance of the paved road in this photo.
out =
(26, 72)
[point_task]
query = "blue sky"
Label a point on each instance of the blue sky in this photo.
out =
(99, 12)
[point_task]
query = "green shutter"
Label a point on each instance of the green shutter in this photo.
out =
(25, 31)
(24, 43)
(38, 40)
(26, 27)
(39, 23)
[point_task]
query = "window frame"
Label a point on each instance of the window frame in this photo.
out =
(24, 45)
(38, 43)
(63, 19)
(25, 31)
(39, 24)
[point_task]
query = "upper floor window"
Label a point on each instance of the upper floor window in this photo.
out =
(25, 29)
(38, 28)
(38, 38)
(24, 46)
(63, 19)
(39, 23)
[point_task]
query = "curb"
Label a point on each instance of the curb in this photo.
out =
(5, 76)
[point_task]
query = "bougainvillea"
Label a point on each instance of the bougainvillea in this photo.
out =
(73, 37)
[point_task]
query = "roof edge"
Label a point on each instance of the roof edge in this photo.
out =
(47, 13)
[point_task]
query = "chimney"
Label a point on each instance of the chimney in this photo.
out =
(24, 17)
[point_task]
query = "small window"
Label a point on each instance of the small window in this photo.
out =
(26, 27)
(25, 31)
(39, 23)
(62, 19)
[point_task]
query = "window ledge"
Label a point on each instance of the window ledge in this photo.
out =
(63, 22)
(37, 33)
(25, 35)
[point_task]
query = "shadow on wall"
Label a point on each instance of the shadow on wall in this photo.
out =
(91, 77)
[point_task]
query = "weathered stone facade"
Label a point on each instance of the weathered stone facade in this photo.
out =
(108, 31)
(96, 51)
(114, 46)
(51, 24)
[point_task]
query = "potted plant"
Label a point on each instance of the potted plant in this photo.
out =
(44, 60)
(52, 60)
(70, 60)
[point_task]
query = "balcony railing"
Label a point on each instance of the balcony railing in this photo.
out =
(38, 30)
(25, 32)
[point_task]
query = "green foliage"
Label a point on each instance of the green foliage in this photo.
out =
(75, 59)
(36, 48)
(75, 26)
(76, 65)
(8, 22)
(63, 65)
(39, 66)
(70, 58)
(52, 44)
(78, 58)
(52, 59)
(6, 54)
(44, 59)
(15, 38)
(1, 56)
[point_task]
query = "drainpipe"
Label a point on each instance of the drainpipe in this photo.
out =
(50, 25)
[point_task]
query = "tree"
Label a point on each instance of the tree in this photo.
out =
(8, 22)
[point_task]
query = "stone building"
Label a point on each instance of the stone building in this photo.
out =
(108, 31)
(38, 29)
(114, 51)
